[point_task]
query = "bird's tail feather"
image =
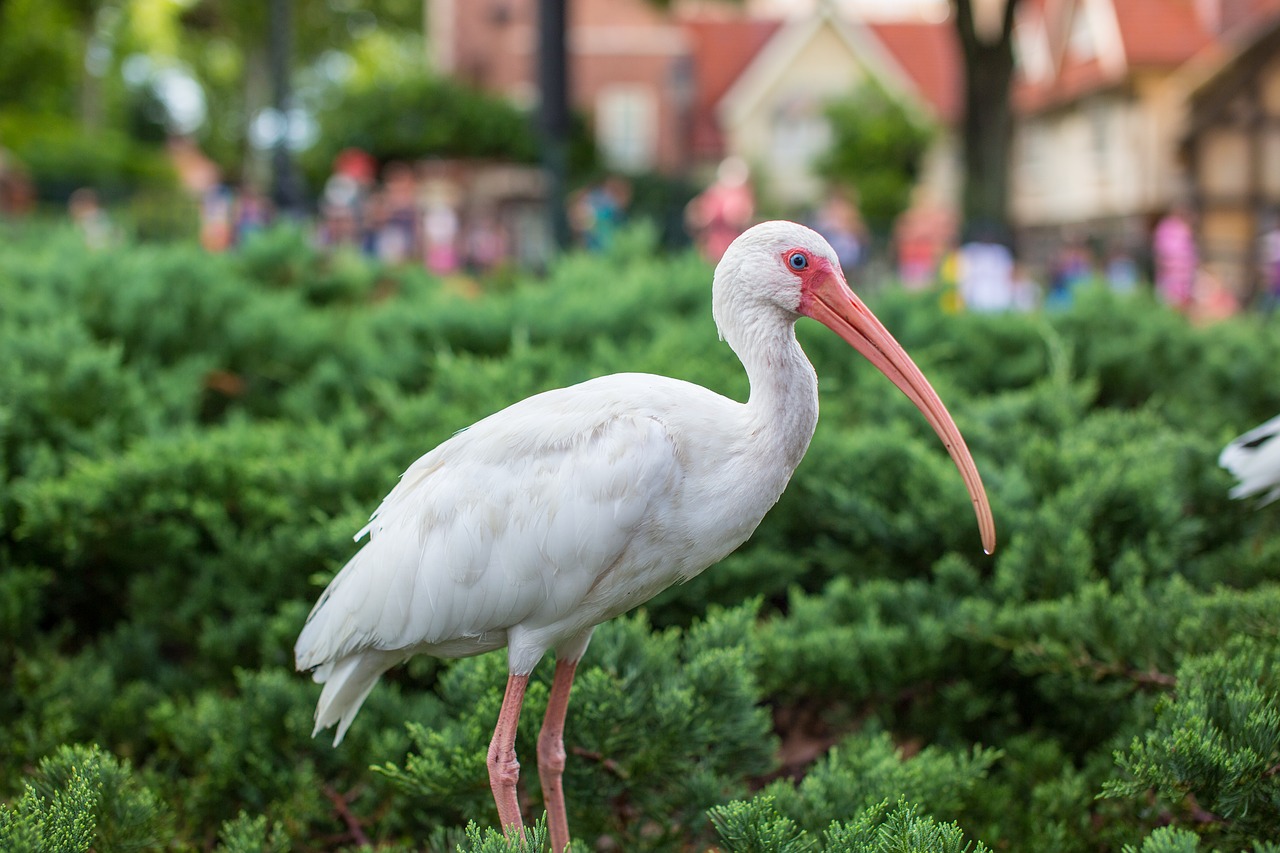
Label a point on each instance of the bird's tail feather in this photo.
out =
(347, 682)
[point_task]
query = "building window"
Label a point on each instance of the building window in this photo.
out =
(1031, 50)
(800, 132)
(626, 127)
(1081, 44)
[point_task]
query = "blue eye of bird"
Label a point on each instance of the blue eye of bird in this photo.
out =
(798, 261)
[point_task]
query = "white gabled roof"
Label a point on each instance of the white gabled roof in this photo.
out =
(789, 41)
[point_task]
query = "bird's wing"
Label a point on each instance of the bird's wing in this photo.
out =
(508, 522)
(1254, 459)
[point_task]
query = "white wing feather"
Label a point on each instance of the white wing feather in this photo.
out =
(1254, 459)
(538, 523)
(510, 522)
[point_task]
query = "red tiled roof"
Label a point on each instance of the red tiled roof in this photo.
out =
(721, 49)
(1074, 79)
(930, 55)
(1153, 34)
(1160, 32)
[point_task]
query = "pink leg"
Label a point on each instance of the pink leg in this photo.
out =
(504, 770)
(551, 754)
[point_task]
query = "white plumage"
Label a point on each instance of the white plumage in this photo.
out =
(573, 506)
(1254, 460)
(536, 524)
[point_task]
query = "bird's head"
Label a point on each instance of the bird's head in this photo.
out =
(784, 269)
(771, 267)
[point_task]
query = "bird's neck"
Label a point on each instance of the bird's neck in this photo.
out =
(783, 406)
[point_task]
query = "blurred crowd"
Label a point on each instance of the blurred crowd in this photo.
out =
(980, 272)
(443, 218)
(404, 215)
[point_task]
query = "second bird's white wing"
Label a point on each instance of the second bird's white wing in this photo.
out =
(1254, 459)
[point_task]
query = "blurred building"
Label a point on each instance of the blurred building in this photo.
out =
(680, 89)
(629, 69)
(1124, 108)
(1231, 151)
(772, 112)
(1128, 108)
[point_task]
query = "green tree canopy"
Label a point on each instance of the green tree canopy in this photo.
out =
(420, 116)
(876, 150)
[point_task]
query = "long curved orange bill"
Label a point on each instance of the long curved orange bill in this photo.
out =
(829, 300)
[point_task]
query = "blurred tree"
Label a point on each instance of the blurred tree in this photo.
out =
(75, 122)
(51, 35)
(985, 28)
(876, 150)
(553, 112)
(285, 189)
(418, 116)
(554, 116)
(103, 62)
(226, 44)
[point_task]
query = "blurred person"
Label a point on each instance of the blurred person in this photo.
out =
(1072, 266)
(17, 191)
(1214, 300)
(252, 213)
(345, 197)
(722, 211)
(372, 216)
(89, 217)
(1026, 291)
(353, 177)
(986, 274)
(922, 235)
(1269, 246)
(216, 217)
(1121, 271)
(1173, 249)
(440, 226)
(838, 220)
(197, 174)
(339, 226)
(400, 222)
(485, 241)
(599, 211)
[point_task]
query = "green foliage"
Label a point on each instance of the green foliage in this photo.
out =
(247, 834)
(876, 150)
(61, 156)
(868, 768)
(187, 442)
(490, 840)
(408, 118)
(757, 827)
(1217, 739)
(79, 799)
(664, 723)
(902, 830)
(41, 34)
(1167, 839)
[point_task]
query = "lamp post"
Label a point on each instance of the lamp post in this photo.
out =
(286, 191)
(553, 113)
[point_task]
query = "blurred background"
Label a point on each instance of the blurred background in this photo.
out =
(1011, 148)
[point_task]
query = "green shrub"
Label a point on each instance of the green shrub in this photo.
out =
(63, 156)
(187, 441)
(1217, 740)
(79, 799)
(415, 116)
(660, 724)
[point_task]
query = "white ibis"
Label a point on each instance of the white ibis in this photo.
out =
(1254, 460)
(575, 505)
